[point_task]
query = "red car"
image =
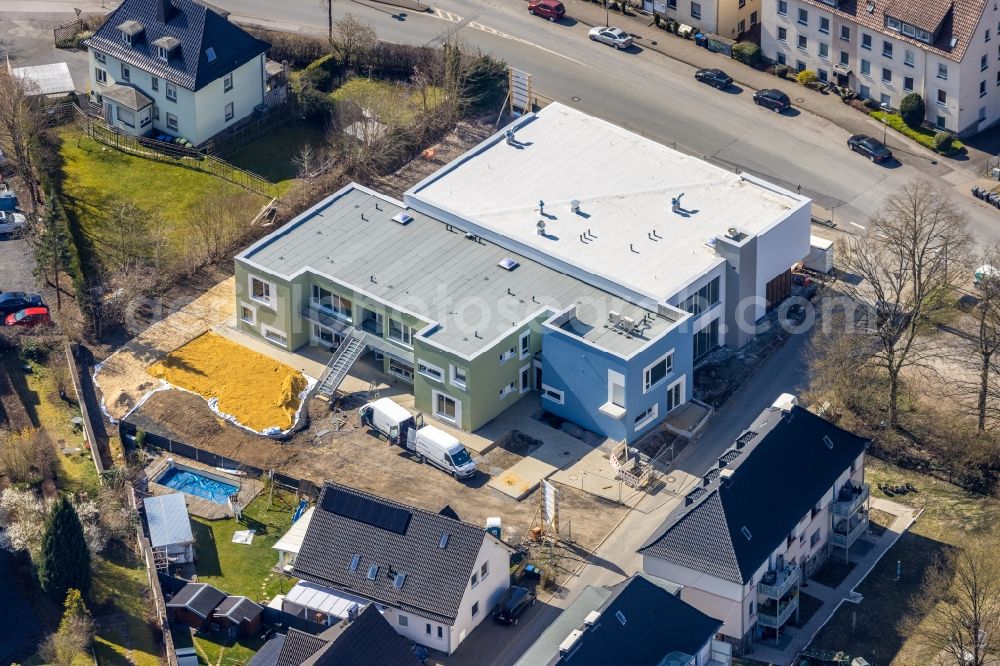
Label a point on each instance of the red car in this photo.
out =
(29, 317)
(553, 10)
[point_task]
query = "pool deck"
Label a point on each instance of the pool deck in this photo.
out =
(197, 506)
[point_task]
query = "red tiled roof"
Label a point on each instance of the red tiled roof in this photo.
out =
(958, 20)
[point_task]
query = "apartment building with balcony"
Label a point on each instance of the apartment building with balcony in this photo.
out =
(948, 51)
(789, 495)
(597, 289)
(726, 18)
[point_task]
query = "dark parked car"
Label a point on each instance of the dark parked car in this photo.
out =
(714, 77)
(772, 99)
(13, 301)
(553, 10)
(871, 148)
(513, 603)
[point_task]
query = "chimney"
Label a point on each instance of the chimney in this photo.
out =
(163, 8)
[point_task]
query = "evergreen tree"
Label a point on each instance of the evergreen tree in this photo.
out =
(65, 559)
(52, 249)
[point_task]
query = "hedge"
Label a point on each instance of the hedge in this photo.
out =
(921, 135)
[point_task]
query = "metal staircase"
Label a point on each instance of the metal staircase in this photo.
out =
(347, 353)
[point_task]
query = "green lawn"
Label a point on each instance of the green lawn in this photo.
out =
(244, 569)
(833, 573)
(271, 156)
(121, 607)
(387, 97)
(881, 628)
(96, 175)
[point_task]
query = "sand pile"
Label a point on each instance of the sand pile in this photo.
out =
(256, 390)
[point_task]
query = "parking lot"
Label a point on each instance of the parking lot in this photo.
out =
(16, 265)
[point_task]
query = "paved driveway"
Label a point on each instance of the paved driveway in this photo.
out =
(16, 266)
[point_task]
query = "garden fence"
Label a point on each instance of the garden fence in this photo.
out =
(64, 34)
(251, 130)
(88, 424)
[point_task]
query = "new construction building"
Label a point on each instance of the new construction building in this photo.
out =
(518, 268)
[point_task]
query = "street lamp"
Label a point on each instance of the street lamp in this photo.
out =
(885, 121)
(607, 12)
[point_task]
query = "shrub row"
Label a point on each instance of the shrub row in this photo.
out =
(941, 142)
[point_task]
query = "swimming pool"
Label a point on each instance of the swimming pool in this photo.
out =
(193, 483)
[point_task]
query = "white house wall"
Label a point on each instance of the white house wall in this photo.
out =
(246, 94)
(778, 248)
(486, 593)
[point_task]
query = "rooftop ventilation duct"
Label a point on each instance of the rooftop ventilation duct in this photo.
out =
(592, 618)
(570, 642)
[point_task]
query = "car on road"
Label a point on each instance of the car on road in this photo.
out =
(772, 99)
(871, 148)
(553, 10)
(615, 37)
(14, 301)
(513, 603)
(714, 77)
(11, 222)
(29, 317)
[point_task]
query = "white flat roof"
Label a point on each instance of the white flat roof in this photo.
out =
(53, 79)
(625, 230)
(291, 541)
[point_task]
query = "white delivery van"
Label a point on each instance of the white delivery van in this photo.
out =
(389, 419)
(437, 447)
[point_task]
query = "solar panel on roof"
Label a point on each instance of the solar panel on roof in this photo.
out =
(745, 438)
(368, 511)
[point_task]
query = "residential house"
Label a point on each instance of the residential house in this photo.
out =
(169, 527)
(726, 18)
(433, 578)
(947, 51)
(364, 639)
(598, 289)
(194, 604)
(177, 67)
(787, 495)
(237, 617)
(640, 622)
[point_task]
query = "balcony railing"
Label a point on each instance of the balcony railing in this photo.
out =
(325, 317)
(842, 540)
(848, 507)
(775, 616)
(784, 580)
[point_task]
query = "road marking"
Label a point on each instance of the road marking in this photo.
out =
(856, 225)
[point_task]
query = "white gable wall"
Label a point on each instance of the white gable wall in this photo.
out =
(209, 107)
(486, 592)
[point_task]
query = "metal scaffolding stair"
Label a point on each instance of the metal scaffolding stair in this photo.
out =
(347, 353)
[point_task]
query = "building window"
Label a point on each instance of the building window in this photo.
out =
(403, 620)
(475, 579)
(400, 332)
(814, 539)
(445, 407)
(154, 83)
(803, 16)
(100, 57)
(555, 395)
(657, 371)
(783, 7)
(987, 38)
(865, 92)
(982, 88)
(227, 82)
(475, 609)
(275, 335)
(866, 41)
(885, 101)
(942, 97)
(248, 314)
(675, 395)
(982, 113)
(983, 63)
(845, 59)
(671, 4)
(824, 51)
(430, 371)
(260, 291)
(126, 117)
(866, 67)
(696, 10)
(156, 112)
(524, 344)
(329, 303)
(743, 3)
(824, 25)
(458, 377)
(887, 75)
(440, 631)
(126, 73)
(782, 35)
(646, 417)
(326, 336)
(616, 389)
(428, 629)
(799, 66)
(484, 570)
(908, 58)
(998, 78)
(525, 377)
(940, 122)
(229, 112)
(127, 38)
(708, 295)
(162, 53)
(706, 339)
(908, 83)
(887, 49)
(942, 71)
(171, 92)
(781, 58)
(803, 43)
(101, 76)
(507, 390)
(845, 33)
(400, 369)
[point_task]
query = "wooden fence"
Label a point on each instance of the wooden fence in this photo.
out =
(176, 154)
(64, 34)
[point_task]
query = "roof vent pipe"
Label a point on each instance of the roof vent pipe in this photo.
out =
(574, 206)
(541, 227)
(509, 137)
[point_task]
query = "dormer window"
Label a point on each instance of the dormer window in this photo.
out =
(165, 47)
(130, 31)
(908, 30)
(162, 53)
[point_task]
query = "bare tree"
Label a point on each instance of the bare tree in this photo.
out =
(961, 608)
(350, 37)
(909, 259)
(986, 341)
(328, 6)
(218, 223)
(20, 125)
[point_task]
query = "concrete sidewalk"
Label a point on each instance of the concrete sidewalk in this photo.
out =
(827, 106)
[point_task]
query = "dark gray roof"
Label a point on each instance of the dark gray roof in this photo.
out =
(128, 96)
(298, 647)
(344, 524)
(367, 641)
(268, 654)
(782, 473)
(199, 598)
(657, 624)
(238, 609)
(210, 46)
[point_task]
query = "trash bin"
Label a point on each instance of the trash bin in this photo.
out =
(701, 40)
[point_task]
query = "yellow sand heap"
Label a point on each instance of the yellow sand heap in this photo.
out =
(257, 390)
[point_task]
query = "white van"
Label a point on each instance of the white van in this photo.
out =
(389, 419)
(437, 447)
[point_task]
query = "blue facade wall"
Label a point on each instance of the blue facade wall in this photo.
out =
(580, 371)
